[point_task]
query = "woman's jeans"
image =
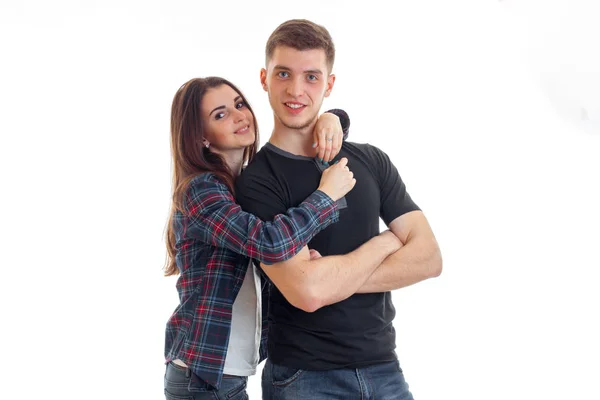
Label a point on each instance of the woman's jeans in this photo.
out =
(182, 384)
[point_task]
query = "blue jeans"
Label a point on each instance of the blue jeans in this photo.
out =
(182, 384)
(380, 381)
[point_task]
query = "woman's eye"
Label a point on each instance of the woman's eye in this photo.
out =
(239, 105)
(219, 115)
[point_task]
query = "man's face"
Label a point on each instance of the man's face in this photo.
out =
(297, 82)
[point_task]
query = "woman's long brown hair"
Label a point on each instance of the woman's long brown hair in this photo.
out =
(190, 157)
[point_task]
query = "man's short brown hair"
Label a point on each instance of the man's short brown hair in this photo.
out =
(301, 34)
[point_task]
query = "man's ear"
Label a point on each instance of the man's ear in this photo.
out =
(330, 82)
(263, 79)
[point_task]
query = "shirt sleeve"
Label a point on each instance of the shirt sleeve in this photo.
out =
(395, 200)
(216, 219)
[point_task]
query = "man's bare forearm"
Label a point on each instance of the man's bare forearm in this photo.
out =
(310, 284)
(335, 278)
(413, 263)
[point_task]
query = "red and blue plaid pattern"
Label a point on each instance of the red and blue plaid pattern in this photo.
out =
(215, 241)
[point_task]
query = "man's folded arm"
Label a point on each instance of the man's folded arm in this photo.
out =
(418, 259)
(311, 284)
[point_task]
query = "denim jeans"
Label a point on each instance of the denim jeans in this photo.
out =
(380, 381)
(182, 384)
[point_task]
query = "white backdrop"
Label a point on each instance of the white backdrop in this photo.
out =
(489, 109)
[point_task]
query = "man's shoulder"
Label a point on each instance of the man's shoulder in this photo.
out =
(259, 170)
(253, 170)
(364, 151)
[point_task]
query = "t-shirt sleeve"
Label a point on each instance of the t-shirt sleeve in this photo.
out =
(259, 196)
(395, 200)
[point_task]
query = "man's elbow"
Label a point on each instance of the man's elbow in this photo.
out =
(306, 296)
(308, 306)
(436, 263)
(307, 301)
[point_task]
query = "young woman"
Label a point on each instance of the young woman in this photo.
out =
(213, 337)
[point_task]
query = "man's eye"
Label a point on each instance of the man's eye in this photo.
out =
(312, 77)
(283, 74)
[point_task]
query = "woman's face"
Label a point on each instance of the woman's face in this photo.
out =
(228, 122)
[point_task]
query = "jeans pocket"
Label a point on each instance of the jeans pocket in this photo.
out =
(283, 376)
(176, 377)
(171, 396)
(241, 387)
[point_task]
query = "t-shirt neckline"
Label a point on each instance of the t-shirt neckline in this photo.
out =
(272, 147)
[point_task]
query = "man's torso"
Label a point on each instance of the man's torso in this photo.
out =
(357, 331)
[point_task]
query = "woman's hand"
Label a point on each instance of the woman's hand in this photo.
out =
(337, 180)
(328, 137)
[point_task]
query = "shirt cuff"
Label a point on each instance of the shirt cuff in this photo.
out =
(328, 209)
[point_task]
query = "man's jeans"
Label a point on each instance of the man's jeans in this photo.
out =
(380, 381)
(182, 384)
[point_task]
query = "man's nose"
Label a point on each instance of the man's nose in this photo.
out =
(295, 88)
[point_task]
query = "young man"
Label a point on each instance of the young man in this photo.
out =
(330, 331)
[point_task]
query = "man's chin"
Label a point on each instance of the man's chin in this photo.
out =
(295, 124)
(297, 127)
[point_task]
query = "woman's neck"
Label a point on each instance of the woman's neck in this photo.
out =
(234, 160)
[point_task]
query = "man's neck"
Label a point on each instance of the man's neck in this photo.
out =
(294, 141)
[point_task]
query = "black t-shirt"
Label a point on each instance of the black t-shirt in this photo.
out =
(357, 331)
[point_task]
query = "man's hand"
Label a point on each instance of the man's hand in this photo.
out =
(314, 254)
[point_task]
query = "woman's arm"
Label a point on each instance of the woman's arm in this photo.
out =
(216, 219)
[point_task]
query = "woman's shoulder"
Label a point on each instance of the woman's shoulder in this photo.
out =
(206, 181)
(205, 178)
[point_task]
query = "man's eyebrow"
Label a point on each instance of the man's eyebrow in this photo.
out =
(313, 71)
(308, 71)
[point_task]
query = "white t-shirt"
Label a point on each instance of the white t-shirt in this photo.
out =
(243, 349)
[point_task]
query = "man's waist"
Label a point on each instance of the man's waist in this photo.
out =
(321, 350)
(358, 314)
(326, 357)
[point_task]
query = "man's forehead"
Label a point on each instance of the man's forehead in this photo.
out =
(298, 60)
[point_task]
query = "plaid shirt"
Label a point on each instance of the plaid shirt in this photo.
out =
(215, 241)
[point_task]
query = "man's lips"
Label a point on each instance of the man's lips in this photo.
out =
(294, 108)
